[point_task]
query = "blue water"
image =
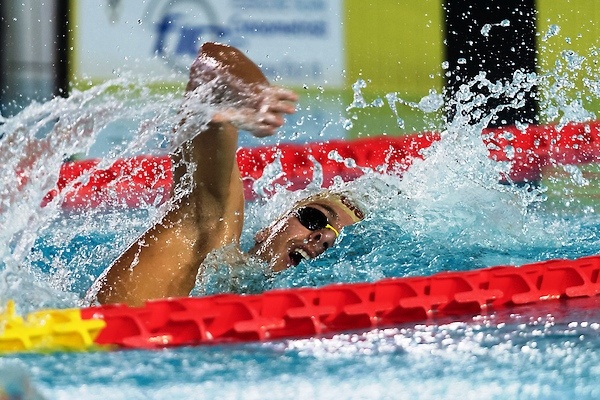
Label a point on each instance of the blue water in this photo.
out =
(550, 351)
(545, 351)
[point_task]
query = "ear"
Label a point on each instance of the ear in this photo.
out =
(262, 235)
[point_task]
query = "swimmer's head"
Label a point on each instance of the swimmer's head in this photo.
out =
(306, 230)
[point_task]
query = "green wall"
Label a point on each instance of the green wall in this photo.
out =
(578, 33)
(579, 30)
(397, 45)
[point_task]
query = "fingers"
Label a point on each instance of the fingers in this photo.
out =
(264, 117)
(280, 93)
(282, 107)
(279, 100)
(276, 102)
(262, 131)
(258, 124)
(264, 124)
(273, 119)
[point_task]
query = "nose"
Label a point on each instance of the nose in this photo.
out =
(322, 239)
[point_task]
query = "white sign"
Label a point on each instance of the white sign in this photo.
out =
(296, 42)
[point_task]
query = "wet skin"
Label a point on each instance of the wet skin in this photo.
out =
(287, 242)
(165, 260)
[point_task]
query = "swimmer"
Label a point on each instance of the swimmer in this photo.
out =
(165, 260)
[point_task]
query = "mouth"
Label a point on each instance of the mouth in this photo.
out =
(297, 255)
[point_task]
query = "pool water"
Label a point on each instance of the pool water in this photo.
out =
(448, 212)
(549, 350)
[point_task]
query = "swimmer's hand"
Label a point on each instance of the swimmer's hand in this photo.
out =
(238, 90)
(263, 115)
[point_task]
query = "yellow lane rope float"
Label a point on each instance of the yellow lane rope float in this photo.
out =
(47, 330)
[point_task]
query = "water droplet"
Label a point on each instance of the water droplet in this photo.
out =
(378, 102)
(350, 163)
(485, 31)
(358, 100)
(400, 122)
(432, 102)
(510, 152)
(335, 156)
(552, 31)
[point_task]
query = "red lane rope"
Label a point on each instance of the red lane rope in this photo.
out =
(341, 307)
(146, 179)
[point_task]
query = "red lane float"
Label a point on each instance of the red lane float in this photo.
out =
(341, 307)
(131, 182)
(146, 179)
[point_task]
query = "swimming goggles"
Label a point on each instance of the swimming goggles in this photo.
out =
(313, 219)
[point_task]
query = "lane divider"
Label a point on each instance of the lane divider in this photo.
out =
(47, 330)
(148, 179)
(303, 312)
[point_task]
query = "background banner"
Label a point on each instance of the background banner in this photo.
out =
(297, 42)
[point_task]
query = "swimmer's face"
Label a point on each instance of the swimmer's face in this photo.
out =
(301, 233)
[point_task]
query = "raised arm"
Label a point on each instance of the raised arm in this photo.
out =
(164, 262)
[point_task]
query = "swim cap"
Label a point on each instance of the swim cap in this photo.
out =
(340, 199)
